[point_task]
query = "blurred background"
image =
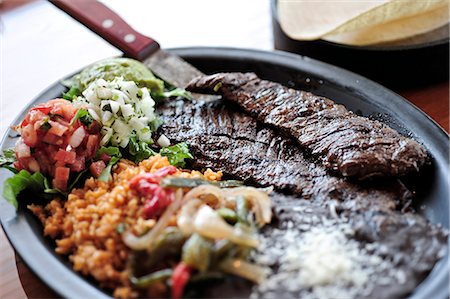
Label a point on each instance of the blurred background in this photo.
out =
(40, 45)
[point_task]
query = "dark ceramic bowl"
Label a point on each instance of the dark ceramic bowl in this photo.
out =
(408, 63)
(357, 93)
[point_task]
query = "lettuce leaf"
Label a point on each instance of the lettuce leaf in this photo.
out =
(14, 185)
(36, 183)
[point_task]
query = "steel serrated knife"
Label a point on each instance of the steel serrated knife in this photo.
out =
(111, 27)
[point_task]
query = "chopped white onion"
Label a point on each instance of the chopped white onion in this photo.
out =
(77, 137)
(163, 141)
(244, 269)
(104, 93)
(209, 224)
(33, 165)
(115, 104)
(22, 150)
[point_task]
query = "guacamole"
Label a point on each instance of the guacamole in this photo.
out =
(129, 69)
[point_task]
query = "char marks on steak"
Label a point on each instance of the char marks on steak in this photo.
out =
(407, 245)
(353, 145)
(224, 139)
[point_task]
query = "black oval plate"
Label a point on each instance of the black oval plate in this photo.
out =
(357, 93)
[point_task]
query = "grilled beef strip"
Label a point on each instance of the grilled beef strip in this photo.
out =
(222, 138)
(354, 146)
(229, 140)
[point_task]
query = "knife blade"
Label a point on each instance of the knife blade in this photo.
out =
(111, 27)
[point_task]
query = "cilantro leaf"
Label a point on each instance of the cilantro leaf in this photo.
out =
(84, 117)
(154, 125)
(115, 154)
(176, 154)
(110, 151)
(139, 150)
(72, 93)
(8, 157)
(104, 176)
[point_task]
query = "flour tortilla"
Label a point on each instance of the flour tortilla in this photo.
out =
(395, 30)
(314, 19)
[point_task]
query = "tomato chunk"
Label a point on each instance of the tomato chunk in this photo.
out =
(29, 135)
(65, 156)
(97, 168)
(61, 178)
(57, 128)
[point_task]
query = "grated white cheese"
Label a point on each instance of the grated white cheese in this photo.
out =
(317, 258)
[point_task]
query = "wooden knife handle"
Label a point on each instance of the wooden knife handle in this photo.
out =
(110, 26)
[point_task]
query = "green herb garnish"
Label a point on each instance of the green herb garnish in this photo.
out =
(7, 159)
(72, 93)
(84, 117)
(176, 154)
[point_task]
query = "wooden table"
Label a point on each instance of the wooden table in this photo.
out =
(37, 41)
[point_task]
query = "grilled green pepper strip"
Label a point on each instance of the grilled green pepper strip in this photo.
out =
(195, 182)
(242, 209)
(146, 281)
(228, 215)
(197, 253)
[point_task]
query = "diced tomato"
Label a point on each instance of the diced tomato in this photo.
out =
(59, 184)
(92, 145)
(43, 108)
(57, 128)
(62, 121)
(46, 136)
(79, 164)
(180, 278)
(34, 114)
(105, 157)
(62, 173)
(29, 135)
(44, 162)
(97, 168)
(52, 139)
(65, 156)
(17, 165)
(61, 177)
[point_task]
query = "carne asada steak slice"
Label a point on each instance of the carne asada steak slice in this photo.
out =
(221, 138)
(353, 145)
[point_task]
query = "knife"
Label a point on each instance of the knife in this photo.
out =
(111, 27)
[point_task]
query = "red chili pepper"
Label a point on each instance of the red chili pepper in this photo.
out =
(153, 177)
(157, 202)
(180, 278)
(157, 198)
